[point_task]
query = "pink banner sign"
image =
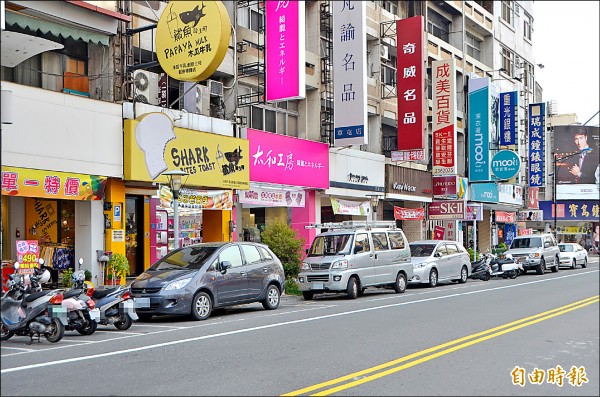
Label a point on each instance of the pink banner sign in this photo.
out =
(409, 214)
(505, 217)
(287, 160)
(285, 59)
(28, 252)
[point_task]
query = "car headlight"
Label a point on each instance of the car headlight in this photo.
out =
(534, 255)
(305, 266)
(343, 264)
(179, 284)
(419, 265)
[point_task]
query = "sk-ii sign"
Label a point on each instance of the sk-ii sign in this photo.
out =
(537, 128)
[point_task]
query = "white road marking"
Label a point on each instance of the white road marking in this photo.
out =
(18, 348)
(276, 325)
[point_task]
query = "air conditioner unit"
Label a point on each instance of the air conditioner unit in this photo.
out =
(196, 100)
(215, 88)
(145, 87)
(385, 52)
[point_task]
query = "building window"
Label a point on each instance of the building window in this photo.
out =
(508, 12)
(251, 18)
(437, 25)
(391, 6)
(508, 61)
(473, 46)
(388, 75)
(527, 26)
(528, 80)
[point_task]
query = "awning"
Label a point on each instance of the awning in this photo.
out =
(26, 22)
(18, 47)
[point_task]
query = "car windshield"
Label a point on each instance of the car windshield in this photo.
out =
(335, 244)
(421, 250)
(565, 248)
(187, 258)
(529, 242)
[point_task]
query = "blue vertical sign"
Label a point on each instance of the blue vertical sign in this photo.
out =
(510, 231)
(479, 130)
(537, 129)
(509, 118)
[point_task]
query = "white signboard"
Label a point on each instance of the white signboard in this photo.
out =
(118, 235)
(273, 197)
(347, 207)
(510, 194)
(350, 73)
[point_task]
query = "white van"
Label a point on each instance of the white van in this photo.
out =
(352, 256)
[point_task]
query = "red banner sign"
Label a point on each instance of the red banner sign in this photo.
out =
(438, 233)
(534, 194)
(409, 214)
(411, 83)
(505, 217)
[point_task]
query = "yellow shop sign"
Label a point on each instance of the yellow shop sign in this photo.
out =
(153, 145)
(192, 38)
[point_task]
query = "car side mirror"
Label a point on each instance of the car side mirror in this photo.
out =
(437, 255)
(546, 244)
(223, 266)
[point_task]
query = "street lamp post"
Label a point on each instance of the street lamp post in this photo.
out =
(175, 183)
(374, 201)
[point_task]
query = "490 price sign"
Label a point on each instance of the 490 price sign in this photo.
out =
(28, 252)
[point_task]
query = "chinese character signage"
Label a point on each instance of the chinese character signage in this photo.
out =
(444, 117)
(267, 197)
(51, 184)
(347, 207)
(28, 252)
(451, 209)
(579, 210)
(410, 82)
(408, 155)
(287, 160)
(285, 52)
(481, 123)
(350, 71)
(153, 145)
(505, 217)
(198, 199)
(409, 214)
(576, 149)
(445, 186)
(537, 128)
(192, 38)
(530, 215)
(509, 118)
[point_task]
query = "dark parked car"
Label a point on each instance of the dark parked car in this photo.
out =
(195, 279)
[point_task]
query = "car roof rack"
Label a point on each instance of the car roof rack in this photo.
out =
(354, 225)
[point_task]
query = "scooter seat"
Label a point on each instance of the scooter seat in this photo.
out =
(34, 296)
(72, 293)
(99, 294)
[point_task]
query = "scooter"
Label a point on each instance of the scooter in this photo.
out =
(116, 307)
(506, 267)
(481, 269)
(31, 314)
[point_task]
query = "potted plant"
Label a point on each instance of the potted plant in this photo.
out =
(117, 269)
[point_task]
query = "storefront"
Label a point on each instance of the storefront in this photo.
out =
(286, 174)
(576, 220)
(215, 163)
(60, 211)
(407, 188)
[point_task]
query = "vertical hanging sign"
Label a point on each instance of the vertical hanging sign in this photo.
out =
(444, 117)
(537, 128)
(285, 52)
(350, 69)
(479, 130)
(509, 118)
(411, 84)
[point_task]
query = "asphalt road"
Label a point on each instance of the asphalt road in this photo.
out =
(479, 338)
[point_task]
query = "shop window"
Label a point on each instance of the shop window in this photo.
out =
(67, 232)
(75, 77)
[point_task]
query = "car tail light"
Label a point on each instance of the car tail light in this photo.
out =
(91, 304)
(56, 299)
(126, 296)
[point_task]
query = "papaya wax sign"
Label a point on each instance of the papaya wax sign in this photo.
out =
(192, 38)
(153, 145)
(29, 182)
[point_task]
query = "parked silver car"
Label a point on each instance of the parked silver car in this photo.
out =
(439, 260)
(535, 251)
(572, 254)
(195, 279)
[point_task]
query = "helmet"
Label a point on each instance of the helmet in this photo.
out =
(79, 275)
(45, 277)
(508, 256)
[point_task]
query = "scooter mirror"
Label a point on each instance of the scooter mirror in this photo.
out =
(41, 261)
(17, 265)
(80, 261)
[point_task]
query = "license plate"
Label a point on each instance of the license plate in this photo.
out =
(141, 302)
(317, 285)
(95, 314)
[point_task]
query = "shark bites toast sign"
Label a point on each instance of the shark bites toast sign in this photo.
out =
(192, 38)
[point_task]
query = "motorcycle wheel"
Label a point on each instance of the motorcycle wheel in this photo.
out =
(486, 277)
(89, 329)
(513, 274)
(5, 334)
(125, 323)
(56, 331)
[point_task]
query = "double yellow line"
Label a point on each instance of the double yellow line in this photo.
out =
(379, 371)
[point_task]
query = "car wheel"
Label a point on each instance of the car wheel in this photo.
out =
(125, 322)
(400, 284)
(361, 291)
(433, 278)
(352, 289)
(271, 301)
(307, 295)
(464, 275)
(201, 306)
(556, 265)
(573, 264)
(541, 268)
(144, 316)
(584, 263)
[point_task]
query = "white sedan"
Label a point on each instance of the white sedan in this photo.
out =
(572, 254)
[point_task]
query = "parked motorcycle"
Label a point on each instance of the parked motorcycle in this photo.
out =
(481, 269)
(116, 306)
(506, 267)
(26, 311)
